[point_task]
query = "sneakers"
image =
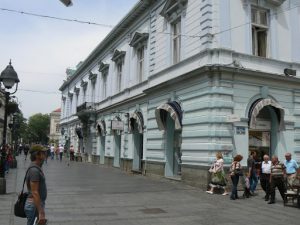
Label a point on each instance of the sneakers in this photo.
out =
(225, 193)
(209, 192)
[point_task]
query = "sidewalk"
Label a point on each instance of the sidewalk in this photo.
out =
(87, 194)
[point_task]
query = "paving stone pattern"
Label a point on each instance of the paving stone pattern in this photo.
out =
(87, 194)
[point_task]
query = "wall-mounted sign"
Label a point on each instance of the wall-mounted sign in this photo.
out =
(233, 118)
(117, 125)
(262, 125)
(240, 130)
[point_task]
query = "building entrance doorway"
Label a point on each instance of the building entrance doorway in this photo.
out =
(266, 121)
(260, 142)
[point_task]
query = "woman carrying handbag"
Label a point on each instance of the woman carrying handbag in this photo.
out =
(217, 175)
(235, 173)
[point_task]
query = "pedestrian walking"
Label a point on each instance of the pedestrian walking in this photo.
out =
(48, 153)
(251, 164)
(265, 176)
(57, 152)
(218, 178)
(235, 173)
(26, 150)
(36, 186)
(291, 168)
(61, 152)
(246, 185)
(20, 149)
(277, 179)
(72, 153)
(52, 151)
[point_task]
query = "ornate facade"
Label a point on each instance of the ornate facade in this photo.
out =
(184, 80)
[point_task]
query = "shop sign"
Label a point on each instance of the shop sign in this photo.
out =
(233, 118)
(117, 125)
(240, 130)
(262, 125)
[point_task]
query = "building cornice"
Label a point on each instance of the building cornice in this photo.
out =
(122, 27)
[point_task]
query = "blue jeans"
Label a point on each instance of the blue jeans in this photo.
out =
(31, 212)
(235, 181)
(253, 181)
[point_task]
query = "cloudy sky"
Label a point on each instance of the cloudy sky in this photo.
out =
(41, 48)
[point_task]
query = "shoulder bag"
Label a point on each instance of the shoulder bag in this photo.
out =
(20, 203)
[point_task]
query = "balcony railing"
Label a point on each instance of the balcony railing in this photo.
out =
(86, 106)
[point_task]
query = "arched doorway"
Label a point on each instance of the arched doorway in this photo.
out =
(169, 119)
(266, 120)
(101, 129)
(136, 124)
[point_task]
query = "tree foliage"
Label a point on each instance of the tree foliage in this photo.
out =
(38, 128)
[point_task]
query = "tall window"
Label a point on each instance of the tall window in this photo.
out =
(57, 128)
(176, 41)
(119, 75)
(140, 63)
(93, 91)
(104, 84)
(259, 20)
(118, 58)
(71, 105)
(84, 95)
(76, 103)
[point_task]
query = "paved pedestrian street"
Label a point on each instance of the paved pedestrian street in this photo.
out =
(87, 194)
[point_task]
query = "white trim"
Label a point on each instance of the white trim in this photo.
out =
(259, 106)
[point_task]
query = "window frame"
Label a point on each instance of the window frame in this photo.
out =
(119, 66)
(104, 83)
(140, 57)
(176, 41)
(259, 27)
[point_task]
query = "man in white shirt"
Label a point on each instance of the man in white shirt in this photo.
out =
(61, 152)
(265, 176)
(52, 149)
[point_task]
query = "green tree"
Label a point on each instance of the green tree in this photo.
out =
(20, 126)
(38, 128)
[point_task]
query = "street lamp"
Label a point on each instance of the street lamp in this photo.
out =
(8, 78)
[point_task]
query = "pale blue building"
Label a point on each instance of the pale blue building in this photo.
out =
(178, 80)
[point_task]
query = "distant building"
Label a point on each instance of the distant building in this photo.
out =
(54, 126)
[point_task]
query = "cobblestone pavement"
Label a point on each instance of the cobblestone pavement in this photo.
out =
(87, 194)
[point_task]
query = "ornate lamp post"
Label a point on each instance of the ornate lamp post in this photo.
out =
(8, 78)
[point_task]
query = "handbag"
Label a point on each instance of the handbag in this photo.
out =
(218, 178)
(237, 171)
(19, 208)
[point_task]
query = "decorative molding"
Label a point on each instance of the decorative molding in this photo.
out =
(118, 56)
(70, 94)
(276, 2)
(173, 9)
(103, 67)
(139, 39)
(92, 76)
(83, 84)
(76, 90)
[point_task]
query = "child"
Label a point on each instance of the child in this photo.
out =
(246, 186)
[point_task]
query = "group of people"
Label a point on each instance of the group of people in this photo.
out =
(271, 173)
(56, 151)
(6, 158)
